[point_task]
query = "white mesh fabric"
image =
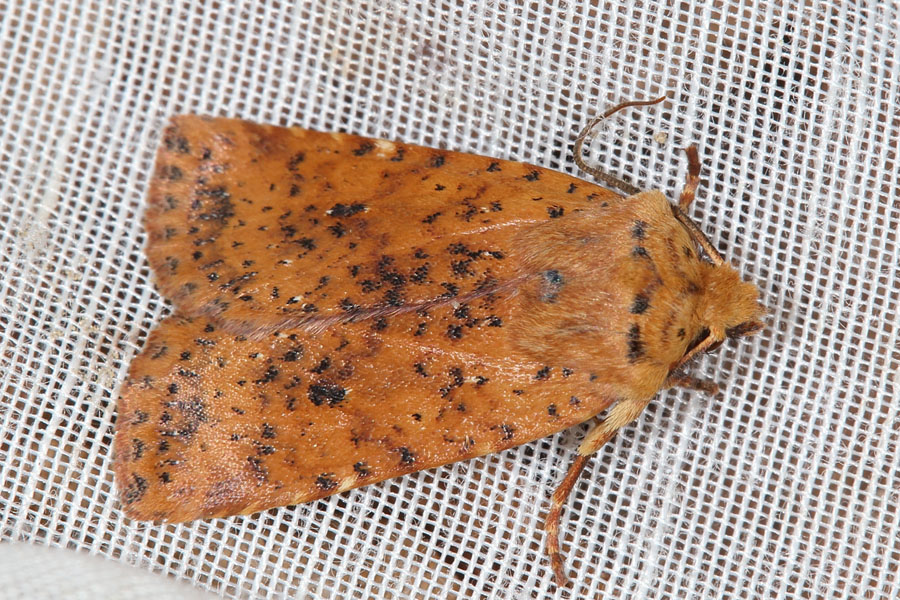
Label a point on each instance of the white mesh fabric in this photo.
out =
(784, 486)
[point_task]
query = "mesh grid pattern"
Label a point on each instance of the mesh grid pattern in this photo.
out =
(785, 486)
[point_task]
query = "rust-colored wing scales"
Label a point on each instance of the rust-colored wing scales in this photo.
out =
(212, 424)
(349, 310)
(269, 226)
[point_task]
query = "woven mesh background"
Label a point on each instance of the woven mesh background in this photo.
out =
(785, 486)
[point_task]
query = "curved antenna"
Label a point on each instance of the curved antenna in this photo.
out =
(607, 178)
(699, 237)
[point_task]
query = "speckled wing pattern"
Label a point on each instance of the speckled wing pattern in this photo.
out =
(271, 227)
(343, 316)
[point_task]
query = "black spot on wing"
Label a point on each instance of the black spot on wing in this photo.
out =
(364, 149)
(345, 210)
(326, 482)
(635, 344)
(135, 489)
(407, 457)
(325, 392)
(170, 172)
(551, 284)
(555, 211)
(177, 143)
(639, 230)
(641, 304)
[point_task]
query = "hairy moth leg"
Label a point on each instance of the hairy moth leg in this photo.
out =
(689, 382)
(693, 178)
(620, 415)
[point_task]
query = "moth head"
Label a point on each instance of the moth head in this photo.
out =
(729, 307)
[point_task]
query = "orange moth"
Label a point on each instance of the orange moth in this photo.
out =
(348, 310)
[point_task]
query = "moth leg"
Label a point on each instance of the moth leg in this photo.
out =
(693, 178)
(620, 415)
(691, 383)
(688, 192)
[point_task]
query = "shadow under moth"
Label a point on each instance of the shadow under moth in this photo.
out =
(349, 310)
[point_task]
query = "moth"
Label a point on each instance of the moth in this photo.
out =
(348, 309)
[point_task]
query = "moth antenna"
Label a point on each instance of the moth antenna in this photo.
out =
(698, 236)
(607, 178)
